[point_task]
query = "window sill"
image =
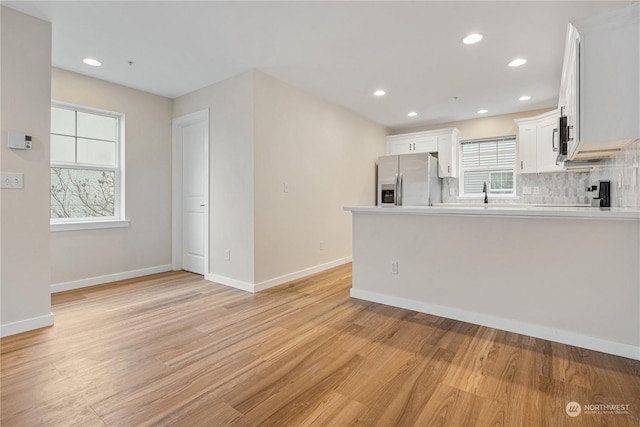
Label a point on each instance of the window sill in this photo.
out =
(89, 225)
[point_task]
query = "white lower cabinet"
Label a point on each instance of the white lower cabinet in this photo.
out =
(443, 142)
(538, 143)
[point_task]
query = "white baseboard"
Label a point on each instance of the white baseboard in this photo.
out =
(99, 280)
(299, 274)
(228, 281)
(26, 325)
(251, 287)
(537, 331)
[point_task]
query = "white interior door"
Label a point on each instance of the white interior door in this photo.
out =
(193, 142)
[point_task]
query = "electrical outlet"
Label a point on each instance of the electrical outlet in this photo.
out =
(536, 190)
(394, 267)
(452, 191)
(321, 245)
(227, 254)
(526, 190)
(285, 187)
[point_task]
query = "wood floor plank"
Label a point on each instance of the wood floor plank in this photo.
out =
(333, 409)
(174, 349)
(450, 406)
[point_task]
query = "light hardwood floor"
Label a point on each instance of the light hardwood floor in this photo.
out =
(173, 349)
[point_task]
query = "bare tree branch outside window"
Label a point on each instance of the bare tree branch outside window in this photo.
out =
(82, 193)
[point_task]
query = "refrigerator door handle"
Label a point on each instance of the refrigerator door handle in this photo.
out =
(400, 193)
(395, 202)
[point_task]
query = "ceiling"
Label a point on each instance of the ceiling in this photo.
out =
(340, 51)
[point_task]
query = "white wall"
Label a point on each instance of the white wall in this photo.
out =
(230, 105)
(96, 256)
(24, 214)
(263, 133)
(326, 155)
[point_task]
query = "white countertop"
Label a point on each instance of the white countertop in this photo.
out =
(506, 210)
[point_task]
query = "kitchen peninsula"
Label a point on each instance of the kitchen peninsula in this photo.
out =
(566, 274)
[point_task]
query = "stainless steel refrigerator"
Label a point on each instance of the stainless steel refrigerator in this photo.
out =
(408, 180)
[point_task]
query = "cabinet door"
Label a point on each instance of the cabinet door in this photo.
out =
(527, 148)
(569, 100)
(447, 156)
(399, 146)
(547, 142)
(425, 144)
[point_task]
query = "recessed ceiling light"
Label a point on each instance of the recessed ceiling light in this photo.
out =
(379, 92)
(517, 62)
(412, 114)
(524, 98)
(92, 62)
(472, 38)
(483, 111)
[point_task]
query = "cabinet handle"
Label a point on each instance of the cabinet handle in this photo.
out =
(521, 164)
(448, 169)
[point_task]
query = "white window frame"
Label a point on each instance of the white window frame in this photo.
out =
(463, 195)
(118, 219)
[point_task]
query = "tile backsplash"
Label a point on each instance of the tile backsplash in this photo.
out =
(569, 187)
(623, 172)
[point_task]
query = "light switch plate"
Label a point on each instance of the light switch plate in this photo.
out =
(13, 180)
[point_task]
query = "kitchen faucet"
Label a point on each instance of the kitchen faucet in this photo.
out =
(484, 190)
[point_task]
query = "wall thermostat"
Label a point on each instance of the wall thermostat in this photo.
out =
(18, 140)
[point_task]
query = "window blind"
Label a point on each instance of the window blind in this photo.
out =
(490, 160)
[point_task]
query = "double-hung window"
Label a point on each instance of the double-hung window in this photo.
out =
(87, 171)
(491, 161)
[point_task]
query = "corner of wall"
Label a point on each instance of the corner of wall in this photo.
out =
(231, 138)
(26, 100)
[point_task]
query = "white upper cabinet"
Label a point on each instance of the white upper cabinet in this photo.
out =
(527, 148)
(443, 142)
(399, 144)
(448, 148)
(425, 144)
(600, 88)
(412, 143)
(538, 143)
(547, 143)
